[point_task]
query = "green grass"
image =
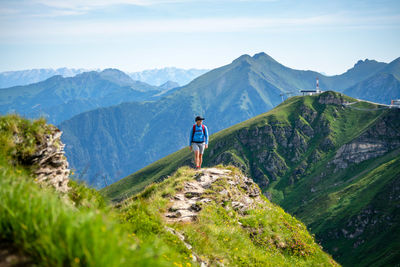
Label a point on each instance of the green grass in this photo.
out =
(369, 191)
(19, 137)
(54, 233)
(268, 236)
(77, 228)
(136, 182)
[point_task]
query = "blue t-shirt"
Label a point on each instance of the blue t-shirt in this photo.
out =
(198, 136)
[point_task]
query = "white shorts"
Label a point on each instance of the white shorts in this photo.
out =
(199, 147)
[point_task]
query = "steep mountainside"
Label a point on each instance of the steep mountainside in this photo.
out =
(131, 133)
(59, 98)
(335, 167)
(233, 93)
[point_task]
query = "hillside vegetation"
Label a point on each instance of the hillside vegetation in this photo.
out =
(221, 229)
(77, 228)
(333, 166)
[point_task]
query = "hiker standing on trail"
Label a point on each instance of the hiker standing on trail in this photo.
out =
(198, 140)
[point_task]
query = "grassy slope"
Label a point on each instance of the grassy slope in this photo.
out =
(68, 230)
(79, 230)
(373, 192)
(343, 125)
(217, 237)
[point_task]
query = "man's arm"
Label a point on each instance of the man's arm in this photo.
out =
(190, 138)
(206, 134)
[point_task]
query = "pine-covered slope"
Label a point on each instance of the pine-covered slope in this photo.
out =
(333, 166)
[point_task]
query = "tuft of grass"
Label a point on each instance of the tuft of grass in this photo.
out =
(19, 137)
(83, 196)
(55, 233)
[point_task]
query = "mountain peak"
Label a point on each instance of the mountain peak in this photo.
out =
(365, 62)
(395, 62)
(116, 76)
(113, 71)
(169, 85)
(242, 58)
(55, 78)
(259, 56)
(264, 56)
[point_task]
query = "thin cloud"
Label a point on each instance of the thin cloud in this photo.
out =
(89, 4)
(52, 8)
(82, 30)
(203, 25)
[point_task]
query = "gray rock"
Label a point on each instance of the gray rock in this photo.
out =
(52, 165)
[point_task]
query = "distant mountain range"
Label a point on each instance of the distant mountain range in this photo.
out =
(24, 77)
(119, 140)
(59, 98)
(335, 167)
(160, 76)
(155, 77)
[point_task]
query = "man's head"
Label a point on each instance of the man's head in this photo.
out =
(199, 120)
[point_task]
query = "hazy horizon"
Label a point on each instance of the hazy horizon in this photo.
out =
(138, 35)
(171, 67)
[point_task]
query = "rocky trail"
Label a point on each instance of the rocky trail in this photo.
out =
(186, 204)
(208, 185)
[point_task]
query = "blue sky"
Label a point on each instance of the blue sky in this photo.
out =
(133, 35)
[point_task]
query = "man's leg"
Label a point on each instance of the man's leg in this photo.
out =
(196, 157)
(201, 151)
(200, 159)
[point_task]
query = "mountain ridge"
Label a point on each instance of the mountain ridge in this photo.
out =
(307, 154)
(59, 98)
(225, 96)
(154, 77)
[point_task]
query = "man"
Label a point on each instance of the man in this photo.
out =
(198, 140)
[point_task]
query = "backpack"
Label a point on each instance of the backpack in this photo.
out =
(194, 130)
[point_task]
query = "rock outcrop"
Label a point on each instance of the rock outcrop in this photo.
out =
(51, 165)
(331, 98)
(240, 190)
(383, 137)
